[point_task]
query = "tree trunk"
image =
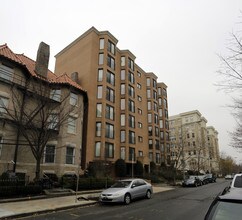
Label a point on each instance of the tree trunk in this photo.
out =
(37, 169)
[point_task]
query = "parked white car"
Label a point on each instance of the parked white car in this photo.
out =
(237, 181)
(126, 190)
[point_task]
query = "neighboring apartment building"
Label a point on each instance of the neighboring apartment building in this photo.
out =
(30, 96)
(191, 147)
(213, 147)
(127, 117)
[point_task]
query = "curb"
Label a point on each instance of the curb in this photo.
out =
(48, 210)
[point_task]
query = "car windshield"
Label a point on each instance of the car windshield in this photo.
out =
(121, 184)
(238, 182)
(226, 210)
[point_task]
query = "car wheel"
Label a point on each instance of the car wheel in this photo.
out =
(148, 194)
(127, 199)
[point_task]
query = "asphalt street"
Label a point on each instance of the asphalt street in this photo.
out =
(180, 203)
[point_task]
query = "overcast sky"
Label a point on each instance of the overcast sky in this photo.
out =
(178, 40)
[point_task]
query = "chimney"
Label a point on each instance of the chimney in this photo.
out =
(42, 60)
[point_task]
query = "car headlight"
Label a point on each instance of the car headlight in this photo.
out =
(116, 194)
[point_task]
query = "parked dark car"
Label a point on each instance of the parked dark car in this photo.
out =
(227, 205)
(211, 178)
(192, 181)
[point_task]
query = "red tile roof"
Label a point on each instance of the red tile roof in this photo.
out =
(30, 65)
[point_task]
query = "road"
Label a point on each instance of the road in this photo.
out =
(180, 203)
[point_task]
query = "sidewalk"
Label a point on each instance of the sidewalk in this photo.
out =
(10, 210)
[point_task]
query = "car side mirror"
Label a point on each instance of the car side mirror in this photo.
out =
(133, 186)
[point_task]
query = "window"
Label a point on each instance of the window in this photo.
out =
(139, 86)
(131, 121)
(156, 119)
(110, 94)
(159, 91)
(131, 77)
(131, 154)
(139, 74)
(122, 88)
(97, 149)
(139, 98)
(99, 110)
(149, 118)
(148, 81)
(100, 60)
(53, 121)
(140, 111)
(157, 145)
(70, 155)
(131, 106)
(154, 83)
(131, 91)
(122, 153)
(122, 119)
(55, 94)
(148, 94)
(99, 92)
(122, 104)
(131, 64)
(110, 78)
(160, 101)
(49, 154)
(140, 125)
(161, 123)
(73, 99)
(157, 158)
(140, 138)
(109, 112)
(122, 75)
(3, 104)
(111, 62)
(122, 136)
(155, 107)
(150, 144)
(101, 43)
(122, 61)
(6, 72)
(71, 126)
(111, 47)
(151, 156)
(98, 129)
(109, 131)
(150, 132)
(156, 131)
(100, 75)
(141, 153)
(109, 150)
(165, 103)
(149, 105)
(131, 137)
(154, 95)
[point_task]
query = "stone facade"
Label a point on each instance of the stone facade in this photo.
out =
(60, 97)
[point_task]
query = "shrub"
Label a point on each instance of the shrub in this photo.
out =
(120, 168)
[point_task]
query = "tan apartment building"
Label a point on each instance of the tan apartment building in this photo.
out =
(123, 112)
(190, 146)
(213, 147)
(41, 114)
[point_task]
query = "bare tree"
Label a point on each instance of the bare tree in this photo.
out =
(231, 71)
(38, 111)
